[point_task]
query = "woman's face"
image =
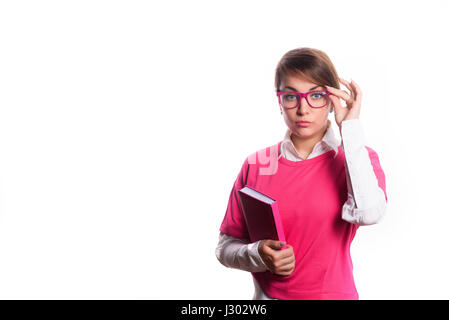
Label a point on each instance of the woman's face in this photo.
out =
(317, 116)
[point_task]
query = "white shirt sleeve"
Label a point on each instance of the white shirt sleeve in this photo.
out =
(366, 203)
(235, 253)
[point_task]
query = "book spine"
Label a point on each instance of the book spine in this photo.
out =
(278, 221)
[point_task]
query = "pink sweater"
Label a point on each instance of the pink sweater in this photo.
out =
(310, 195)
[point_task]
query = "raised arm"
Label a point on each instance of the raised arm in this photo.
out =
(367, 198)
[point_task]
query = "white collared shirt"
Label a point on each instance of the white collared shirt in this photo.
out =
(366, 203)
(327, 143)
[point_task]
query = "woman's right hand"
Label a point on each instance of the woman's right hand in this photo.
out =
(278, 261)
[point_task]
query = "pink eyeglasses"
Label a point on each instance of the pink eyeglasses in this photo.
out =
(292, 99)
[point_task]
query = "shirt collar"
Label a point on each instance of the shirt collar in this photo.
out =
(328, 140)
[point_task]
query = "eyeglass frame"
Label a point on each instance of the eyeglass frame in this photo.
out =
(303, 95)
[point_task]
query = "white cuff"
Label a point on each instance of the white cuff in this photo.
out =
(235, 253)
(365, 216)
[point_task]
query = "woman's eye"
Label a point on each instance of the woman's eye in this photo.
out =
(317, 95)
(290, 97)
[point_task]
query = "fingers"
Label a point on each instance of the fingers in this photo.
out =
(351, 86)
(286, 261)
(358, 91)
(283, 267)
(278, 253)
(281, 254)
(273, 245)
(355, 92)
(339, 93)
(286, 269)
(336, 101)
(348, 85)
(282, 262)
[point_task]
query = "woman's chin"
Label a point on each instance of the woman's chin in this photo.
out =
(303, 133)
(303, 130)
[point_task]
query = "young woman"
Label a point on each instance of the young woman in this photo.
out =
(325, 189)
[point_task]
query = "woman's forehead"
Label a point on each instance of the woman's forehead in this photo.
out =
(298, 81)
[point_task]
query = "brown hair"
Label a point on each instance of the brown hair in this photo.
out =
(312, 64)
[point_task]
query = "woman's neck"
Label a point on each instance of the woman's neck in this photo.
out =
(305, 146)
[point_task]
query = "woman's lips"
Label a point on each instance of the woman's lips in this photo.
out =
(303, 124)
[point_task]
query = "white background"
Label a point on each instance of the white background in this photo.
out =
(123, 125)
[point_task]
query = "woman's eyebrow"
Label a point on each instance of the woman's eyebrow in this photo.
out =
(291, 88)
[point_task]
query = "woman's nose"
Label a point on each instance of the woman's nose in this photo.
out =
(303, 106)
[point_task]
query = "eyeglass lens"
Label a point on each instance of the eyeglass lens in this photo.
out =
(315, 99)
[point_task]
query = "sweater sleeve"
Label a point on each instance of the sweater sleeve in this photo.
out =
(367, 197)
(234, 249)
(237, 253)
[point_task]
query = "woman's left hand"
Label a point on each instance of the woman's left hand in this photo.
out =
(353, 101)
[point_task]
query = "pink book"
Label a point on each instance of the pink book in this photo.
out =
(261, 215)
